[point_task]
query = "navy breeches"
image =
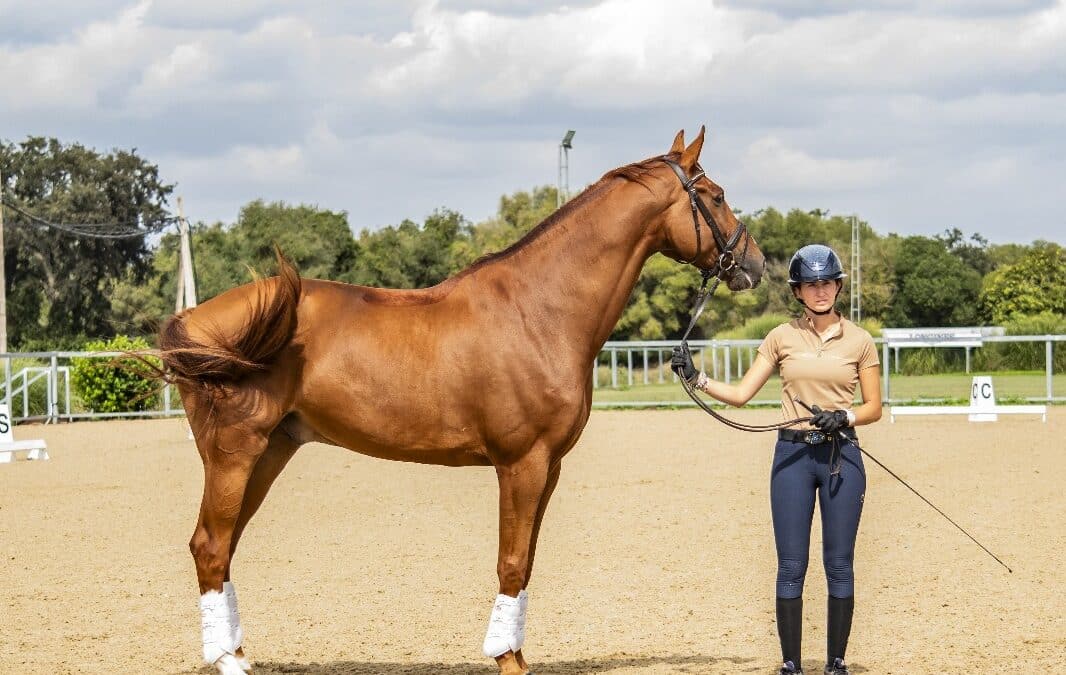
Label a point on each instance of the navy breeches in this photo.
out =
(799, 472)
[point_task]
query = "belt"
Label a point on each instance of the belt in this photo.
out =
(812, 436)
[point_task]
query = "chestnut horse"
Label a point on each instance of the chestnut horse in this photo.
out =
(492, 367)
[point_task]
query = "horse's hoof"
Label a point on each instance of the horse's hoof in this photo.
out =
(228, 665)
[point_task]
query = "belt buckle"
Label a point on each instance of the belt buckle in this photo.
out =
(814, 437)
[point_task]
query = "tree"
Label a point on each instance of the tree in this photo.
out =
(1035, 284)
(317, 240)
(933, 287)
(517, 214)
(59, 285)
(974, 253)
(659, 305)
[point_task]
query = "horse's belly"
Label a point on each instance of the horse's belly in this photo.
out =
(406, 438)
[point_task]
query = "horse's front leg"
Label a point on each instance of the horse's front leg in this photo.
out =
(549, 488)
(523, 484)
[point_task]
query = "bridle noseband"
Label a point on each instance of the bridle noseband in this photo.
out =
(727, 262)
(726, 265)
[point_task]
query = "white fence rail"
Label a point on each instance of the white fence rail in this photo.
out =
(42, 391)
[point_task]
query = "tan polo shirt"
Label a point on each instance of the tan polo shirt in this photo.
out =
(818, 370)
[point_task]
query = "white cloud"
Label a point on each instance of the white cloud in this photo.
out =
(867, 107)
(771, 163)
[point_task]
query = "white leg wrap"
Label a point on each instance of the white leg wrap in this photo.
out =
(506, 626)
(523, 603)
(230, 592)
(217, 632)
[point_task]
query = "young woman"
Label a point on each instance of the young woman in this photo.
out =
(822, 357)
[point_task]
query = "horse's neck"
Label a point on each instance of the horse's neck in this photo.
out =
(578, 275)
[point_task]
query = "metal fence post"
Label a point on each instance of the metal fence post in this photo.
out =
(629, 364)
(885, 369)
(645, 365)
(728, 354)
(614, 369)
(53, 391)
(1049, 363)
(7, 383)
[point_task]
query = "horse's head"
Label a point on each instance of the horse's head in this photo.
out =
(698, 227)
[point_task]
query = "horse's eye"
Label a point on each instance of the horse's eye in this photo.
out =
(719, 199)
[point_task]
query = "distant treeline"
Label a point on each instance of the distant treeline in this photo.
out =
(63, 290)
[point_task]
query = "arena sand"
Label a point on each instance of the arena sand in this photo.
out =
(656, 555)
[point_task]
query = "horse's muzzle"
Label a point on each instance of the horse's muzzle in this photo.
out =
(746, 275)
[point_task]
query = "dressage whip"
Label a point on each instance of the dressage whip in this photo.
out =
(907, 485)
(690, 390)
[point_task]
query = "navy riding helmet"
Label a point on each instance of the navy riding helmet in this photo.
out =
(814, 262)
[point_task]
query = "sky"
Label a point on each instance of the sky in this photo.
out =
(916, 115)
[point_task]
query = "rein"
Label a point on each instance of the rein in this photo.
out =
(725, 267)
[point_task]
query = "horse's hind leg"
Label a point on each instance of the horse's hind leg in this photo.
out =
(280, 449)
(228, 465)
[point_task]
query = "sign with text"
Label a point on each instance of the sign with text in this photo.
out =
(938, 337)
(982, 397)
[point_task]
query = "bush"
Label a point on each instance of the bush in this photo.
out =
(111, 385)
(37, 394)
(755, 328)
(1025, 355)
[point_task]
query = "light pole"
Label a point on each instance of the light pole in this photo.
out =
(562, 192)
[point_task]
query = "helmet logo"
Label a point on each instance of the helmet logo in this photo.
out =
(817, 266)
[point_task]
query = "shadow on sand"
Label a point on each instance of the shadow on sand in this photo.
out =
(683, 664)
(696, 665)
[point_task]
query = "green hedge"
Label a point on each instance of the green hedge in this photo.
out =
(111, 385)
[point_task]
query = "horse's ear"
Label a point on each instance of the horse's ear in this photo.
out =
(691, 155)
(679, 143)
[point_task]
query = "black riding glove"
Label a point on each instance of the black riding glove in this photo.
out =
(681, 363)
(829, 421)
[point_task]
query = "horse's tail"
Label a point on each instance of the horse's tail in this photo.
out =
(223, 356)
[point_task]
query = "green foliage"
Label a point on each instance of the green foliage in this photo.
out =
(517, 214)
(58, 284)
(755, 328)
(929, 361)
(409, 255)
(37, 393)
(113, 385)
(660, 303)
(872, 326)
(933, 287)
(318, 241)
(1036, 283)
(1025, 355)
(974, 254)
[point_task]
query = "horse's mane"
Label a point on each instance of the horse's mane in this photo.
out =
(637, 172)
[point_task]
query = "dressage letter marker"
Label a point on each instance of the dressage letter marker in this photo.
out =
(36, 449)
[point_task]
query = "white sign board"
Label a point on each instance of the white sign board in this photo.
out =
(933, 337)
(5, 425)
(983, 397)
(9, 446)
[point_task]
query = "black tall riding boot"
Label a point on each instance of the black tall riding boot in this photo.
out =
(790, 630)
(839, 628)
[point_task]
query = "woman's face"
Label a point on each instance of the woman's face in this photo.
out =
(818, 295)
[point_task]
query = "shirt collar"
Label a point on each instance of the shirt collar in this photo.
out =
(833, 332)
